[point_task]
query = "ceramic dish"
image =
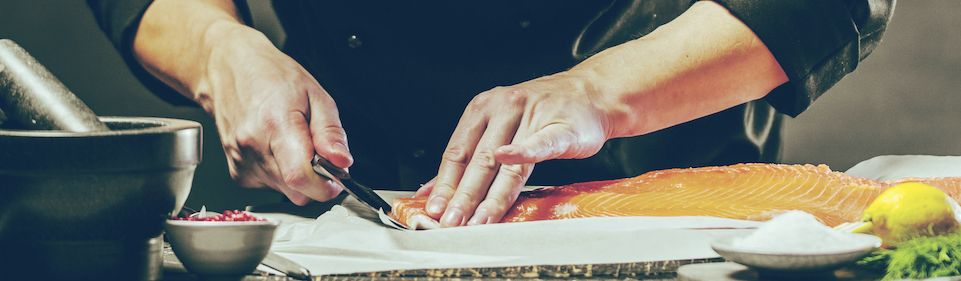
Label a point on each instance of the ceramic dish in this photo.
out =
(220, 248)
(795, 263)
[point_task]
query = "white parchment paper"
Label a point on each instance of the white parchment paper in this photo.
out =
(339, 242)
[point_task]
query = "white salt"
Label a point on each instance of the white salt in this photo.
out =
(795, 232)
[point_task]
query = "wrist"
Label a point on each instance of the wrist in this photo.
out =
(224, 44)
(701, 63)
(602, 89)
(172, 42)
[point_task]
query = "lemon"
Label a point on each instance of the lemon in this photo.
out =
(911, 210)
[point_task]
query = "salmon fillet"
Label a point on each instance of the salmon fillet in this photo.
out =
(755, 192)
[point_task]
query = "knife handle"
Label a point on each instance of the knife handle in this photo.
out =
(335, 171)
(324, 168)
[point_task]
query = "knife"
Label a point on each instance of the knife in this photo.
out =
(364, 194)
(286, 266)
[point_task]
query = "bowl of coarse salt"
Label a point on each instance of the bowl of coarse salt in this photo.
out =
(795, 243)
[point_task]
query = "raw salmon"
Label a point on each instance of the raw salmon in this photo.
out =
(743, 191)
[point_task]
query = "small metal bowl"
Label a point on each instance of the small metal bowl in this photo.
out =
(770, 262)
(209, 248)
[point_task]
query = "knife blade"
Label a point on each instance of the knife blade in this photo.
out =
(364, 194)
(286, 266)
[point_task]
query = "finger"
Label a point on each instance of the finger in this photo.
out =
(327, 139)
(480, 171)
(456, 156)
(502, 194)
(253, 168)
(478, 175)
(330, 142)
(254, 178)
(293, 150)
(329, 136)
(425, 189)
(240, 171)
(295, 197)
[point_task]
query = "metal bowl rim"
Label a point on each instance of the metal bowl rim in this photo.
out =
(210, 224)
(163, 125)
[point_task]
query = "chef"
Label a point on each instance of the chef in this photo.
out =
(461, 100)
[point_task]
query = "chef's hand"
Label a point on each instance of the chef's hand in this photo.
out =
(271, 114)
(702, 62)
(500, 136)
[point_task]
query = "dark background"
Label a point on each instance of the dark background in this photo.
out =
(903, 99)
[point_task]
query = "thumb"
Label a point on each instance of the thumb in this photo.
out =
(329, 136)
(556, 141)
(331, 143)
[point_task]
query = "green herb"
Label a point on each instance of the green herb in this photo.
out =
(919, 258)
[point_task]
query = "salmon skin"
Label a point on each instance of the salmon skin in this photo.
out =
(754, 191)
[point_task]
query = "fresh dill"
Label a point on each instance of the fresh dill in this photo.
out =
(918, 258)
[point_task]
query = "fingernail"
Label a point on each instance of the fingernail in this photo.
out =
(340, 147)
(453, 217)
(480, 217)
(506, 149)
(436, 205)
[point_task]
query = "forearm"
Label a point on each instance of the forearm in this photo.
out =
(175, 38)
(703, 62)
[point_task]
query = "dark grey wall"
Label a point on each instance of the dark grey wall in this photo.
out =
(901, 100)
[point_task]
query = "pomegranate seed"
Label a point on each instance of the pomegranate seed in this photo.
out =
(235, 215)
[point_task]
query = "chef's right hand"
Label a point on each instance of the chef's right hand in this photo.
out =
(271, 114)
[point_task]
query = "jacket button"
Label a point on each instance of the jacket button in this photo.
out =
(524, 23)
(417, 153)
(354, 42)
(524, 20)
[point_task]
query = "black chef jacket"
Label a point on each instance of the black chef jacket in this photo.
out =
(402, 72)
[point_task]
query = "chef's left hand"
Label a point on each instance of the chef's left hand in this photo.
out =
(500, 136)
(700, 63)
